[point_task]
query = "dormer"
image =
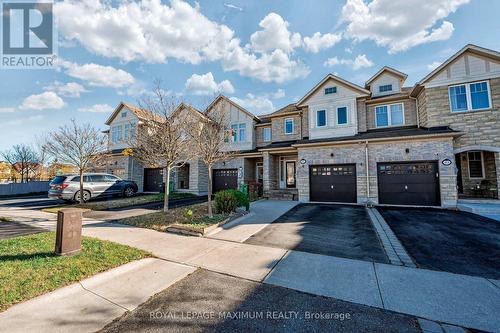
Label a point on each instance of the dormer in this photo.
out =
(386, 81)
(332, 107)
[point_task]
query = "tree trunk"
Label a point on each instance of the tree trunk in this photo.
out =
(81, 186)
(167, 189)
(210, 213)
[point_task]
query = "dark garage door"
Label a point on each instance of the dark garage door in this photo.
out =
(225, 179)
(333, 183)
(153, 180)
(408, 183)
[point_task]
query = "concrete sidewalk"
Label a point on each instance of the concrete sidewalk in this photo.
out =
(262, 213)
(89, 305)
(439, 296)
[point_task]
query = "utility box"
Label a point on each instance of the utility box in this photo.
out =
(69, 232)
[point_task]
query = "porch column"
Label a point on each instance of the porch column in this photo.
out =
(497, 167)
(270, 170)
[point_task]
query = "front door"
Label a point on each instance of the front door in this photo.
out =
(290, 174)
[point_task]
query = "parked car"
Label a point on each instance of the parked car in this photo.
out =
(67, 187)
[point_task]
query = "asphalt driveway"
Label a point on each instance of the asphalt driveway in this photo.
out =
(211, 302)
(445, 240)
(334, 230)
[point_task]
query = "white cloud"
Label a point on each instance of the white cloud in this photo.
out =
(230, 5)
(361, 61)
(147, 30)
(255, 104)
(97, 108)
(317, 42)
(97, 75)
(7, 110)
(275, 35)
(391, 24)
(70, 89)
(46, 100)
(280, 93)
(433, 65)
(205, 85)
(276, 66)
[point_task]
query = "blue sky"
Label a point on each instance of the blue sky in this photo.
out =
(263, 54)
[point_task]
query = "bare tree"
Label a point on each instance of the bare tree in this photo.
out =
(211, 140)
(162, 141)
(78, 145)
(23, 159)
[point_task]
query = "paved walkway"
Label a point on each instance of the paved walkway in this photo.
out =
(439, 296)
(89, 305)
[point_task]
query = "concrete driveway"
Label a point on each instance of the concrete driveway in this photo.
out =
(445, 240)
(211, 302)
(334, 230)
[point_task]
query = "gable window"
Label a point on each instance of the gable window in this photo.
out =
(389, 115)
(470, 96)
(266, 134)
(116, 134)
(330, 90)
(475, 164)
(385, 87)
(124, 114)
(289, 126)
(321, 118)
(342, 115)
(129, 132)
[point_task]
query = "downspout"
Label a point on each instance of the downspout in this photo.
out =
(367, 173)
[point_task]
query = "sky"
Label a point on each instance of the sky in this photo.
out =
(262, 54)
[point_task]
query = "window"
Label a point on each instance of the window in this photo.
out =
(129, 132)
(241, 136)
(124, 114)
(389, 115)
(330, 90)
(385, 87)
(470, 96)
(475, 164)
(320, 118)
(342, 115)
(458, 98)
(234, 131)
(289, 126)
(116, 134)
(266, 134)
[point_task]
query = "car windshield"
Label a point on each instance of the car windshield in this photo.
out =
(58, 180)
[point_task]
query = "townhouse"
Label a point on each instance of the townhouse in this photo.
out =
(381, 143)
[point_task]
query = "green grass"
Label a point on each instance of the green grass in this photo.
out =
(160, 221)
(6, 219)
(29, 267)
(120, 202)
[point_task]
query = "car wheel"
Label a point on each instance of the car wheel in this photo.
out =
(128, 192)
(86, 196)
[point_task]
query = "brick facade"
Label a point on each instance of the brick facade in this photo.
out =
(410, 112)
(278, 128)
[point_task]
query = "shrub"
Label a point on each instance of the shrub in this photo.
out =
(228, 200)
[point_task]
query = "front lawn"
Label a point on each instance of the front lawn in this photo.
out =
(121, 202)
(160, 221)
(29, 267)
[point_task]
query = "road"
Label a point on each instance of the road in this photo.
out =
(30, 202)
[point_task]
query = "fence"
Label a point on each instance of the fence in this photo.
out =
(23, 188)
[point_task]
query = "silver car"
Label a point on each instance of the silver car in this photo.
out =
(67, 187)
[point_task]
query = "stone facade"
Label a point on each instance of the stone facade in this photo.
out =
(479, 127)
(389, 151)
(259, 135)
(278, 128)
(361, 108)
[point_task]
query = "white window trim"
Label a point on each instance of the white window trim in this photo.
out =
(337, 116)
(482, 164)
(389, 119)
(293, 126)
(469, 96)
(326, 118)
(384, 85)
